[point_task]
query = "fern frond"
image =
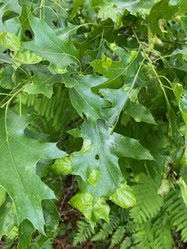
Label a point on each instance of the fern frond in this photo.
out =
(155, 234)
(126, 243)
(148, 201)
(177, 211)
(107, 228)
(53, 110)
(85, 232)
(162, 234)
(143, 237)
(118, 236)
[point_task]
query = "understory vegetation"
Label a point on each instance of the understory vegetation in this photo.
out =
(93, 124)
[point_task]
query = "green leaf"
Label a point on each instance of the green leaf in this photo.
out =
(9, 5)
(2, 196)
(139, 112)
(51, 223)
(182, 7)
(135, 7)
(161, 10)
(42, 82)
(179, 51)
(100, 153)
(47, 45)
(25, 233)
(75, 9)
(109, 10)
(7, 217)
(184, 23)
(83, 99)
(6, 77)
(19, 155)
(122, 100)
(181, 96)
(115, 69)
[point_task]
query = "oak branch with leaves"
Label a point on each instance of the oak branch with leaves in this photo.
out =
(97, 90)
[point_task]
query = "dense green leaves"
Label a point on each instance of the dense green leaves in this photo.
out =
(102, 79)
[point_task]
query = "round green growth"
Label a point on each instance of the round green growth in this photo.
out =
(62, 166)
(84, 203)
(10, 41)
(124, 196)
(101, 210)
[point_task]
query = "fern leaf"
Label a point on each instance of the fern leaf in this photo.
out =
(148, 201)
(162, 234)
(126, 243)
(107, 228)
(85, 232)
(118, 236)
(175, 207)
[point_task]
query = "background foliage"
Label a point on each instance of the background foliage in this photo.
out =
(96, 90)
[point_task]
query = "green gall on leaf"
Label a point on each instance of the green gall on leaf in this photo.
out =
(26, 57)
(57, 70)
(113, 46)
(177, 18)
(10, 41)
(101, 210)
(84, 203)
(106, 61)
(93, 177)
(183, 187)
(2, 196)
(62, 166)
(124, 196)
(133, 55)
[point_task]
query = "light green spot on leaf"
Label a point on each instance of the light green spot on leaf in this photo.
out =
(93, 177)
